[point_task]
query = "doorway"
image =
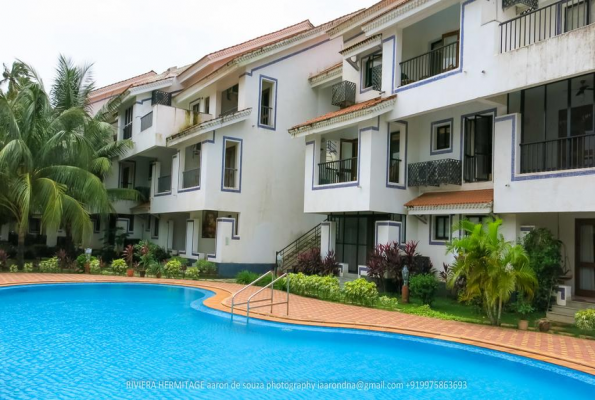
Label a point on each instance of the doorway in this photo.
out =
(478, 148)
(585, 257)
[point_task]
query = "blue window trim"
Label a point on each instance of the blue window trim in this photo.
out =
(275, 81)
(362, 69)
(437, 124)
(436, 242)
(241, 142)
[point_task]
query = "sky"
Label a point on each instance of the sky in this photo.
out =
(125, 38)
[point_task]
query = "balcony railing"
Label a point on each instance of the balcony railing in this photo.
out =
(435, 62)
(435, 173)
(146, 122)
(191, 178)
(544, 23)
(558, 154)
(127, 134)
(377, 77)
(164, 184)
(343, 94)
(477, 168)
(394, 170)
(159, 97)
(229, 111)
(229, 179)
(266, 115)
(337, 171)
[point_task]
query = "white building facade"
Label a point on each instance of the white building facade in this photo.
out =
(458, 109)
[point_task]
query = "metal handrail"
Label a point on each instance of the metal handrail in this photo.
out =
(244, 288)
(272, 285)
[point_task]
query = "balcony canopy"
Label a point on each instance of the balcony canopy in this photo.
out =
(458, 202)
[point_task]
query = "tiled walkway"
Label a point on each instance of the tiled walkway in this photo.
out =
(563, 350)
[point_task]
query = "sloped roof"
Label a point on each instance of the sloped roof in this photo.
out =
(362, 15)
(461, 197)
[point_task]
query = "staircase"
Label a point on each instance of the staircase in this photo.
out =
(565, 314)
(289, 254)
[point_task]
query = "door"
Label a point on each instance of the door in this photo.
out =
(230, 166)
(348, 155)
(395, 157)
(585, 257)
(478, 148)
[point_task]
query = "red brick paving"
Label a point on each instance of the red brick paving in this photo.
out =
(559, 349)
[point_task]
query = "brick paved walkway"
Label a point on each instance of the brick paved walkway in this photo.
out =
(558, 349)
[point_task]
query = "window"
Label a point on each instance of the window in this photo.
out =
(146, 121)
(127, 134)
(267, 101)
(229, 100)
(191, 173)
(208, 105)
(231, 178)
(442, 227)
(196, 108)
(394, 165)
(35, 225)
(441, 136)
(126, 175)
(96, 224)
(375, 60)
(155, 232)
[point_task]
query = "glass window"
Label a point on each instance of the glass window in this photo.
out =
(374, 60)
(441, 227)
(533, 115)
(442, 137)
(155, 227)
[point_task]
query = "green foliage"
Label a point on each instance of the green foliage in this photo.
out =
(424, 286)
(545, 258)
(322, 287)
(246, 277)
(585, 319)
(82, 259)
(119, 266)
(360, 291)
(493, 268)
(156, 251)
(154, 268)
(95, 267)
(28, 267)
(523, 308)
(206, 267)
(14, 268)
(388, 303)
(192, 273)
(172, 269)
(426, 311)
(51, 265)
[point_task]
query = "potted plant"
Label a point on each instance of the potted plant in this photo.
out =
(141, 269)
(155, 269)
(524, 309)
(128, 254)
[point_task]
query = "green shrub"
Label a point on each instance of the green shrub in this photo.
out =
(105, 272)
(14, 268)
(28, 267)
(206, 267)
(246, 277)
(172, 269)
(585, 319)
(119, 266)
(192, 273)
(156, 251)
(154, 268)
(388, 303)
(323, 287)
(82, 259)
(360, 291)
(95, 267)
(424, 286)
(51, 265)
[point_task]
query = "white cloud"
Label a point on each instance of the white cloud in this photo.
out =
(124, 38)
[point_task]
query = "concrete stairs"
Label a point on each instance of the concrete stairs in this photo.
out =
(565, 314)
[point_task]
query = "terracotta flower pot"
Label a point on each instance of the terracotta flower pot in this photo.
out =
(544, 325)
(405, 294)
(142, 273)
(523, 324)
(158, 275)
(87, 268)
(129, 272)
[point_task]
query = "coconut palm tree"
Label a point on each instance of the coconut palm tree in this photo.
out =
(493, 267)
(15, 78)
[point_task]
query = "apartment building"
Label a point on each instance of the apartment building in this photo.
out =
(457, 109)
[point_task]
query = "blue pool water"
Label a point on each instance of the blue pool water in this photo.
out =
(105, 341)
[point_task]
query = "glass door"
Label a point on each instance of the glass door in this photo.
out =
(585, 257)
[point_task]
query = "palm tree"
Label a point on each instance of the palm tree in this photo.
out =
(52, 155)
(15, 77)
(493, 267)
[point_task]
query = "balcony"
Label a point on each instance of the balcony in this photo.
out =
(191, 178)
(164, 184)
(343, 94)
(435, 173)
(437, 61)
(567, 153)
(162, 98)
(337, 171)
(544, 23)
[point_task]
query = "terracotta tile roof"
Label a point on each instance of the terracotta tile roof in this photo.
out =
(344, 111)
(452, 198)
(116, 88)
(361, 43)
(324, 71)
(368, 12)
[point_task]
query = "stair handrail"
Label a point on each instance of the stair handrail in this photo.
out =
(272, 285)
(233, 297)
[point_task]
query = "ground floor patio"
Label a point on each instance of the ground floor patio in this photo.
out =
(562, 350)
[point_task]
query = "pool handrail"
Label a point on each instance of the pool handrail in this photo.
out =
(244, 288)
(272, 285)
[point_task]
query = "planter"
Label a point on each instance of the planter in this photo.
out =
(544, 325)
(87, 268)
(129, 272)
(158, 276)
(523, 324)
(405, 294)
(142, 273)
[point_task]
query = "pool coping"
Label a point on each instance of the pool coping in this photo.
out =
(217, 302)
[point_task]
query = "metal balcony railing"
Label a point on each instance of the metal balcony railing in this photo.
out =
(337, 171)
(191, 178)
(558, 154)
(394, 170)
(162, 98)
(434, 173)
(146, 122)
(164, 184)
(432, 63)
(477, 168)
(229, 179)
(229, 111)
(343, 94)
(377, 77)
(544, 23)
(266, 115)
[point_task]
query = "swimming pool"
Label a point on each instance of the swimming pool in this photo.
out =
(137, 341)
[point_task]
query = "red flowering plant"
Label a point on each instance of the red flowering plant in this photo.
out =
(384, 262)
